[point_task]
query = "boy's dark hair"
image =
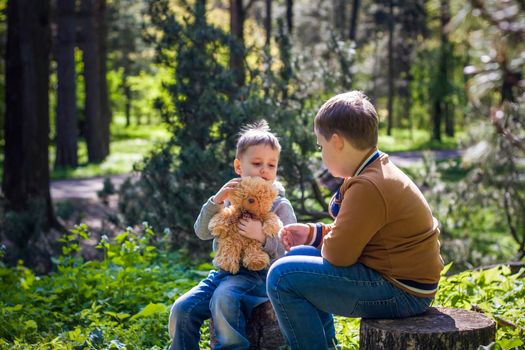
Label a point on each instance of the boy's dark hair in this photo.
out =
(258, 133)
(352, 116)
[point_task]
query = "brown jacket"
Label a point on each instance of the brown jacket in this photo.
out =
(385, 223)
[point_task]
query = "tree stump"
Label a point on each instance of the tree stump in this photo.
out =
(438, 328)
(262, 329)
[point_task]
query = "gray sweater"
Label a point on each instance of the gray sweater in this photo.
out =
(273, 246)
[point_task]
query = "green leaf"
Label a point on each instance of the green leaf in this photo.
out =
(507, 344)
(149, 310)
(446, 268)
(121, 237)
(30, 324)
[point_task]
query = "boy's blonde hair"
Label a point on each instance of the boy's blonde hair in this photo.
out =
(352, 116)
(256, 134)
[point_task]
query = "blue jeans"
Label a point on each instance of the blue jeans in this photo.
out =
(305, 290)
(228, 299)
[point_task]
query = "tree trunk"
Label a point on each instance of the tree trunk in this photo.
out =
(66, 119)
(237, 45)
(353, 20)
(268, 23)
(26, 159)
(105, 109)
(438, 328)
(267, 48)
(440, 104)
(91, 56)
(289, 16)
(445, 70)
(390, 107)
(127, 97)
(436, 120)
(340, 17)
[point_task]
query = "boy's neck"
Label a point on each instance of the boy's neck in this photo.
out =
(364, 155)
(358, 157)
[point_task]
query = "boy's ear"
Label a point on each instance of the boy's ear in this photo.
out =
(237, 166)
(338, 141)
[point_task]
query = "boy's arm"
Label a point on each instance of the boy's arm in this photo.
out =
(362, 214)
(273, 245)
(208, 210)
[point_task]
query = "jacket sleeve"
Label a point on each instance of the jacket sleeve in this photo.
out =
(285, 212)
(362, 214)
(208, 210)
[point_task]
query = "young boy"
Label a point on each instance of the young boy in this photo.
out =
(229, 299)
(378, 259)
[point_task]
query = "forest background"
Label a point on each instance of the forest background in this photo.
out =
(158, 89)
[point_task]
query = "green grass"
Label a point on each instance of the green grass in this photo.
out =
(403, 140)
(128, 145)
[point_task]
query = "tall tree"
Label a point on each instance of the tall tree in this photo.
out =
(353, 20)
(127, 46)
(390, 102)
(66, 119)
(102, 21)
(339, 8)
(94, 116)
(238, 13)
(268, 23)
(441, 108)
(289, 16)
(26, 169)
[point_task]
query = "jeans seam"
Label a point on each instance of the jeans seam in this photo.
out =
(284, 311)
(186, 319)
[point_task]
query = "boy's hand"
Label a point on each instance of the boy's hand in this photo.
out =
(224, 192)
(252, 229)
(294, 234)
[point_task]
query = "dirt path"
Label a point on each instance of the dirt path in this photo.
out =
(76, 201)
(83, 188)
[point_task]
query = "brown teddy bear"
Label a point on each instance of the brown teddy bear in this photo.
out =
(253, 198)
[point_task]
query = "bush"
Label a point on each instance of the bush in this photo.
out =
(123, 301)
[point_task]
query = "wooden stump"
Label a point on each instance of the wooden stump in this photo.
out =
(438, 328)
(262, 329)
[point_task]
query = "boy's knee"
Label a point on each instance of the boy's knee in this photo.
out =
(223, 300)
(304, 250)
(275, 275)
(180, 309)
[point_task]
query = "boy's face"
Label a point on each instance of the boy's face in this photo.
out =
(258, 160)
(329, 153)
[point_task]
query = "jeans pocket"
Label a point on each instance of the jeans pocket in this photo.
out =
(385, 308)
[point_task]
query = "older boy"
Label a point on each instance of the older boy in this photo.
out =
(229, 299)
(378, 259)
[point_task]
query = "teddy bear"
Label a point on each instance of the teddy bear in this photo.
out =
(252, 198)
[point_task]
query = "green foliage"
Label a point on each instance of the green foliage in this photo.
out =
(472, 224)
(496, 292)
(178, 177)
(121, 301)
